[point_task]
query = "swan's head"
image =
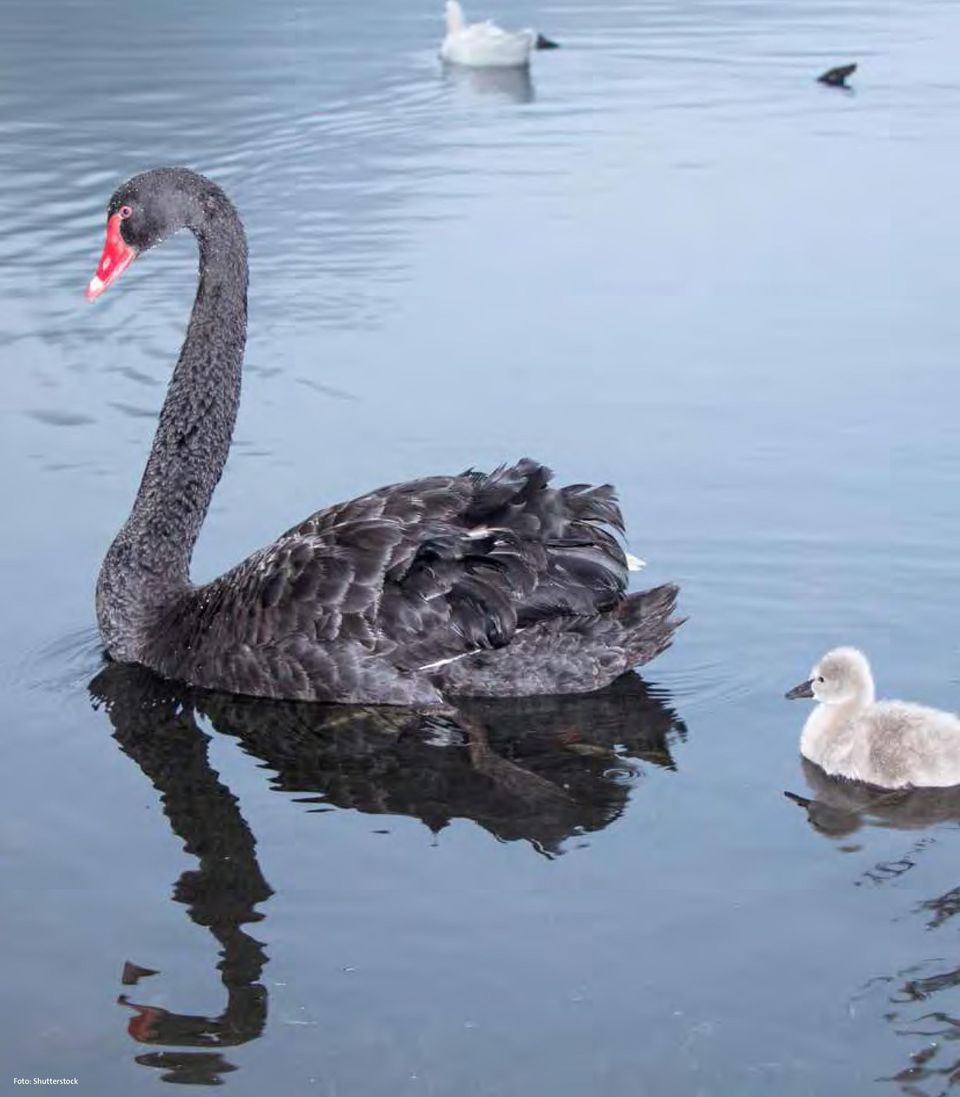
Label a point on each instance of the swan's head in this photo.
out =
(456, 20)
(842, 675)
(147, 209)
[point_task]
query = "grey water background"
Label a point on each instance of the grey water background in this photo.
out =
(669, 259)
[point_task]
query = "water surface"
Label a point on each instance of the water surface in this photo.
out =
(668, 259)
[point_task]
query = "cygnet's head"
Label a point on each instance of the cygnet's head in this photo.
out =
(842, 675)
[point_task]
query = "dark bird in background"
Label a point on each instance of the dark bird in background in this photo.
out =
(837, 78)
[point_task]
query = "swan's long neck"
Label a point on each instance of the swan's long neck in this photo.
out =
(149, 561)
(456, 20)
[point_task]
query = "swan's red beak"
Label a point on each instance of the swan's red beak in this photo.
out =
(117, 256)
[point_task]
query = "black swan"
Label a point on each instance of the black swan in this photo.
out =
(482, 584)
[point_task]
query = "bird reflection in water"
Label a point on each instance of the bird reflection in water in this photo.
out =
(512, 83)
(156, 726)
(540, 769)
(839, 807)
(917, 1001)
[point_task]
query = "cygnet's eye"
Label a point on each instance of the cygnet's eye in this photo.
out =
(125, 212)
(820, 679)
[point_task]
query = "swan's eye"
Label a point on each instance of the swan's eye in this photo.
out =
(125, 212)
(820, 679)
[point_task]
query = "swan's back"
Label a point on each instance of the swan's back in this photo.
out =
(482, 584)
(901, 744)
(483, 45)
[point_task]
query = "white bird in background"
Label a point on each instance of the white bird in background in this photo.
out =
(892, 744)
(485, 45)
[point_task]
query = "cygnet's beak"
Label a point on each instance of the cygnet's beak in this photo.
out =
(805, 689)
(544, 43)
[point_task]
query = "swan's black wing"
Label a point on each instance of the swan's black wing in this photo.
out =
(471, 558)
(355, 601)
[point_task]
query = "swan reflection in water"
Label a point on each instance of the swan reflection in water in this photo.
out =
(540, 769)
(512, 83)
(157, 728)
(921, 1002)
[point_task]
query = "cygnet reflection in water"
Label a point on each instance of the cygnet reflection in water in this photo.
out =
(839, 807)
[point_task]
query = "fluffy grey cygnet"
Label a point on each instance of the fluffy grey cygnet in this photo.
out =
(893, 744)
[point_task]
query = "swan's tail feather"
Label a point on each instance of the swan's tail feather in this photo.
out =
(647, 623)
(576, 654)
(456, 20)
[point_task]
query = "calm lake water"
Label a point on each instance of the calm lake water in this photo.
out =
(668, 259)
